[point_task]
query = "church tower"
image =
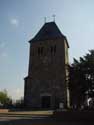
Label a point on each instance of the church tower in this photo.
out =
(46, 85)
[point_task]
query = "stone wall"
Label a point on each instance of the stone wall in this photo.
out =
(47, 73)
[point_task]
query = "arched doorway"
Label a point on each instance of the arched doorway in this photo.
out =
(45, 101)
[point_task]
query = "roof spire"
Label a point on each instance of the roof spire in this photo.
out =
(54, 17)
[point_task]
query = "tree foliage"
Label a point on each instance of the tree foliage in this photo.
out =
(4, 98)
(82, 78)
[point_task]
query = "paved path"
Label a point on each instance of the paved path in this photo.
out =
(34, 119)
(16, 117)
(24, 118)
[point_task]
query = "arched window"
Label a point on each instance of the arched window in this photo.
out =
(40, 51)
(53, 49)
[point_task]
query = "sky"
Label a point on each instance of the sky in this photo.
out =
(20, 20)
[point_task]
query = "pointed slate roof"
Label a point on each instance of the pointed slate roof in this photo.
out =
(49, 31)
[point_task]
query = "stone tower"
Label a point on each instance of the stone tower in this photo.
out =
(46, 85)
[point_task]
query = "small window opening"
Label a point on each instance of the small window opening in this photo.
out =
(51, 49)
(54, 49)
(39, 51)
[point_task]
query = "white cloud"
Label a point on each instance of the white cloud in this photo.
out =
(14, 21)
(2, 45)
(3, 53)
(3, 57)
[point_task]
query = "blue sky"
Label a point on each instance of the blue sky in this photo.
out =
(19, 22)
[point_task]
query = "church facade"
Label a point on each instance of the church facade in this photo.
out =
(46, 85)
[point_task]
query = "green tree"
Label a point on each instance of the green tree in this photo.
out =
(4, 98)
(82, 79)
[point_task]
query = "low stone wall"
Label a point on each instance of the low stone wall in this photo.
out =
(4, 110)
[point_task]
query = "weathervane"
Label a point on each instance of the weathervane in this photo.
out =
(54, 17)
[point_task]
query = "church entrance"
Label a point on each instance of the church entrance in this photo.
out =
(45, 102)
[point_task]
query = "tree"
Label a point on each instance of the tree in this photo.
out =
(4, 98)
(82, 79)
